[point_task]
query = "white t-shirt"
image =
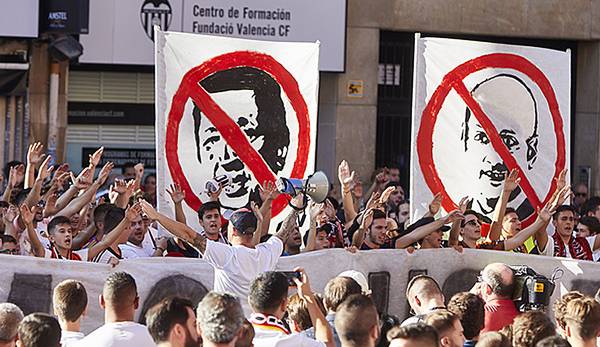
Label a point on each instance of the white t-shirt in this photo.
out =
(105, 256)
(550, 246)
(236, 266)
(119, 334)
(131, 251)
(273, 338)
(69, 338)
(147, 243)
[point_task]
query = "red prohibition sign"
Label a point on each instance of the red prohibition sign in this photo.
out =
(454, 80)
(229, 130)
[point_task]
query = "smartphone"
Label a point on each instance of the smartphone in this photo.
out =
(290, 275)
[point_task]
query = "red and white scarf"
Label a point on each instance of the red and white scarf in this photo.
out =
(578, 247)
(268, 322)
(70, 254)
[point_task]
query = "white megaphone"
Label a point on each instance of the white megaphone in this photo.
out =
(316, 186)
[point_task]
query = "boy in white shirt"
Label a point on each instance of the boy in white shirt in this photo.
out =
(69, 302)
(119, 299)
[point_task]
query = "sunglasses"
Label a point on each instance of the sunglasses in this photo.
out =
(9, 251)
(580, 194)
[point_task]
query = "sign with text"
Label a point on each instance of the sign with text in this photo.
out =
(121, 31)
(483, 109)
(19, 18)
(118, 113)
(121, 156)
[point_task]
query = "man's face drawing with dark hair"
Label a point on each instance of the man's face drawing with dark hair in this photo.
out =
(252, 99)
(511, 106)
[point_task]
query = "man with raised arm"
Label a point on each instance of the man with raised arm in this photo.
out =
(235, 265)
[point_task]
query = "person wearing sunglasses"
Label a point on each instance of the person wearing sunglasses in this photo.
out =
(9, 245)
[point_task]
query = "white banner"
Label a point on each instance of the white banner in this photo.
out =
(480, 109)
(121, 31)
(19, 18)
(242, 108)
(28, 281)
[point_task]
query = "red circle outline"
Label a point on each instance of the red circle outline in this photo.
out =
(191, 80)
(456, 76)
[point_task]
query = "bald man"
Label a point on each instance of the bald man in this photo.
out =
(495, 286)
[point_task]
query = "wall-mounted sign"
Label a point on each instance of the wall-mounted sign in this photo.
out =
(110, 113)
(355, 89)
(65, 16)
(121, 31)
(120, 156)
(19, 18)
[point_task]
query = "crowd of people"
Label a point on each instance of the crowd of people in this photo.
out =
(343, 315)
(100, 215)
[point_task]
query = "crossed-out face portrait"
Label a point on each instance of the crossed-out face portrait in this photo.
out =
(507, 99)
(252, 98)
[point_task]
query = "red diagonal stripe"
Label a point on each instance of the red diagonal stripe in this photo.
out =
(231, 133)
(496, 141)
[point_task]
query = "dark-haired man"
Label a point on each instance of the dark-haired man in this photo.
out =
(563, 243)
(69, 302)
(9, 245)
(119, 299)
(495, 286)
(209, 216)
(269, 297)
(413, 335)
(448, 326)
(39, 330)
(469, 308)
(172, 323)
(357, 322)
(336, 291)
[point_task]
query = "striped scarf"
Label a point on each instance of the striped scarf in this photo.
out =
(578, 247)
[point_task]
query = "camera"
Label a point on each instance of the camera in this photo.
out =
(532, 291)
(221, 181)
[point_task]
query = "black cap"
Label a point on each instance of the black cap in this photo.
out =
(421, 222)
(244, 221)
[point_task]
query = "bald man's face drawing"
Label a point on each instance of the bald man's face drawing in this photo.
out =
(510, 104)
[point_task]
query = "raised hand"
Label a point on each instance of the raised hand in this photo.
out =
(464, 203)
(329, 209)
(26, 214)
(35, 153)
(512, 181)
(133, 212)
(268, 191)
(177, 194)
(84, 179)
(59, 172)
(149, 210)
(561, 181)
(382, 178)
(139, 170)
(105, 172)
(367, 219)
(385, 196)
(256, 211)
(345, 176)
(453, 216)
(19, 175)
(45, 171)
(214, 196)
(303, 284)
(10, 214)
(119, 186)
(314, 210)
(436, 204)
(373, 200)
(95, 157)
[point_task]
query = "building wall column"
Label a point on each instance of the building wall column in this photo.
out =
(39, 71)
(586, 142)
(356, 117)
